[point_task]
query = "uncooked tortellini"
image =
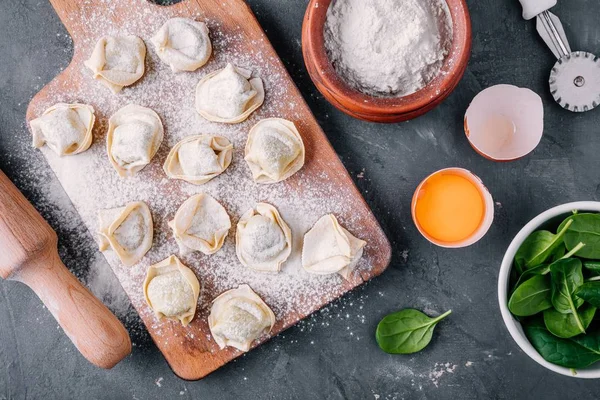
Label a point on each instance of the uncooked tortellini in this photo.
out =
(263, 239)
(274, 150)
(134, 136)
(200, 224)
(171, 289)
(118, 61)
(329, 248)
(229, 95)
(238, 317)
(65, 128)
(127, 230)
(183, 44)
(198, 159)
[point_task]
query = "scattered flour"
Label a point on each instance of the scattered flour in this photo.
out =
(92, 184)
(388, 47)
(439, 370)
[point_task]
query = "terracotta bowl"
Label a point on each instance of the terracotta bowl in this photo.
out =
(384, 109)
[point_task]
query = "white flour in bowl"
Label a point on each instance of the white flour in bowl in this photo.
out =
(388, 47)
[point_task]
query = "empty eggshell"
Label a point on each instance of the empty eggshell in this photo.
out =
(505, 122)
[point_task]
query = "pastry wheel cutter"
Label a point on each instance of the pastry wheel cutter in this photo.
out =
(575, 78)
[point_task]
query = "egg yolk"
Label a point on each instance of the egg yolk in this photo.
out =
(449, 207)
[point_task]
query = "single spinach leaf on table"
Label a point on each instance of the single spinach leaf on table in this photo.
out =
(539, 247)
(566, 278)
(531, 297)
(585, 228)
(590, 292)
(406, 331)
(564, 352)
(565, 325)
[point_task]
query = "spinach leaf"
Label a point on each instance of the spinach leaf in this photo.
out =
(406, 331)
(539, 247)
(531, 272)
(566, 278)
(590, 292)
(531, 297)
(568, 353)
(558, 253)
(562, 224)
(585, 228)
(519, 266)
(592, 266)
(590, 341)
(565, 325)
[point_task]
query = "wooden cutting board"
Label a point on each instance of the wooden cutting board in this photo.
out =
(322, 186)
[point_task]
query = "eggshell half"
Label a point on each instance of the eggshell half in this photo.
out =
(505, 122)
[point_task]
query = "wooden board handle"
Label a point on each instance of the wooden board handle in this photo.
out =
(95, 331)
(29, 255)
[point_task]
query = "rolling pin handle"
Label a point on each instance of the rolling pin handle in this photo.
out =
(93, 329)
(532, 8)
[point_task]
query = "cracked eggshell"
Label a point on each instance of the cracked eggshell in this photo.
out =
(505, 122)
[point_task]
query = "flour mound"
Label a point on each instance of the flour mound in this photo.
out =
(388, 47)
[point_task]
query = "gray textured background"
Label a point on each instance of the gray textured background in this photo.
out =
(333, 355)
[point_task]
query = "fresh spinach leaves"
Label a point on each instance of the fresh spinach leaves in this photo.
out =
(566, 325)
(532, 297)
(592, 266)
(530, 273)
(584, 228)
(564, 352)
(555, 291)
(566, 278)
(539, 247)
(589, 292)
(406, 331)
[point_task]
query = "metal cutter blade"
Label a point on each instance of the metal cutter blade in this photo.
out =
(575, 78)
(575, 81)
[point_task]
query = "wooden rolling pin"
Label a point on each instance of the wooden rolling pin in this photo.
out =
(30, 255)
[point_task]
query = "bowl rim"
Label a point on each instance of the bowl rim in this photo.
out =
(513, 326)
(321, 70)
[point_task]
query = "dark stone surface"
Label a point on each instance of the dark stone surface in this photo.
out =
(334, 355)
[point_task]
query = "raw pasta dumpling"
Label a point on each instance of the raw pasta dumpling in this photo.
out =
(229, 95)
(263, 239)
(238, 317)
(118, 61)
(329, 248)
(171, 290)
(198, 159)
(183, 44)
(274, 150)
(200, 224)
(134, 136)
(65, 128)
(128, 231)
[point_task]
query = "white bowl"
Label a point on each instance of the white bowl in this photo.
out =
(514, 327)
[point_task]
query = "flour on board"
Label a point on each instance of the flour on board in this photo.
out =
(92, 184)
